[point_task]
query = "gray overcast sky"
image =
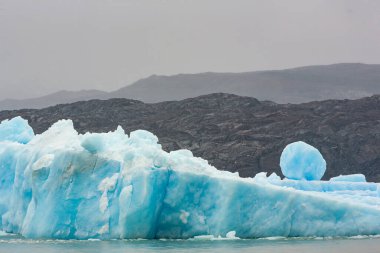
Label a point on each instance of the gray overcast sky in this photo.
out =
(49, 45)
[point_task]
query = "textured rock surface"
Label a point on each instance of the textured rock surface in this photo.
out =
(238, 133)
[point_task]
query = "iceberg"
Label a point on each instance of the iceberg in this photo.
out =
(65, 185)
(300, 160)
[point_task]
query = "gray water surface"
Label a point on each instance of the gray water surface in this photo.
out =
(16, 244)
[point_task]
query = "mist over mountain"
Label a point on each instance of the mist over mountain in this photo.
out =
(297, 85)
(235, 133)
(60, 97)
(304, 84)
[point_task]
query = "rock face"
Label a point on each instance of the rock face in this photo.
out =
(238, 133)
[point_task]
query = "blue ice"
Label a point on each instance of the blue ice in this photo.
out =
(349, 178)
(16, 130)
(301, 161)
(61, 184)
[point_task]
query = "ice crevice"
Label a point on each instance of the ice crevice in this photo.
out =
(61, 184)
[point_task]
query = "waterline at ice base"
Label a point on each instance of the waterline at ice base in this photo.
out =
(61, 184)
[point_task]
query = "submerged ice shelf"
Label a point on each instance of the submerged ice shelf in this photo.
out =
(61, 184)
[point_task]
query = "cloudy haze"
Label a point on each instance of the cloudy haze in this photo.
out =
(50, 45)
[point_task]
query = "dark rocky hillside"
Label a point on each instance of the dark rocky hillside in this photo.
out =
(238, 133)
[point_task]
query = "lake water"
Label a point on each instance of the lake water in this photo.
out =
(16, 244)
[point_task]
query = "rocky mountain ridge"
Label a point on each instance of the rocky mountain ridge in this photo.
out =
(297, 85)
(239, 134)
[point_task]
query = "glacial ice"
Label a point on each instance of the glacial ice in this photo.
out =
(300, 160)
(61, 184)
(349, 178)
(16, 130)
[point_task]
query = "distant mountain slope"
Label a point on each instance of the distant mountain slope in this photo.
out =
(60, 97)
(304, 84)
(238, 133)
